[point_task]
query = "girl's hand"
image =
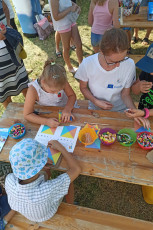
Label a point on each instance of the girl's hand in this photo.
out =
(2, 32)
(143, 121)
(74, 7)
(66, 114)
(52, 122)
(103, 104)
(145, 86)
(134, 113)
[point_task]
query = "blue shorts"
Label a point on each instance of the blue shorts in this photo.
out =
(95, 39)
(126, 28)
(4, 206)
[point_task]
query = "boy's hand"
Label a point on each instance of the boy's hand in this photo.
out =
(56, 145)
(134, 113)
(145, 86)
(52, 122)
(66, 114)
(143, 121)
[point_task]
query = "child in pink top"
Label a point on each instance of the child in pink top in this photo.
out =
(103, 14)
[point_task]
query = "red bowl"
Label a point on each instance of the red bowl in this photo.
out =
(144, 147)
(105, 130)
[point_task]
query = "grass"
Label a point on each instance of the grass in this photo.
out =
(121, 198)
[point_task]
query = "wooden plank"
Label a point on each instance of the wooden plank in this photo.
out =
(116, 162)
(137, 20)
(135, 58)
(79, 218)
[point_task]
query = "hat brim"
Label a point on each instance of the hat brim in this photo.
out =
(145, 64)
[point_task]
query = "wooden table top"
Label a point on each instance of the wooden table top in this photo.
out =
(137, 20)
(115, 162)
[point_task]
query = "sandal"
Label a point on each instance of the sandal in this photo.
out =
(145, 41)
(73, 47)
(58, 54)
(134, 40)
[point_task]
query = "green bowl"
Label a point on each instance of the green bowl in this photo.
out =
(131, 133)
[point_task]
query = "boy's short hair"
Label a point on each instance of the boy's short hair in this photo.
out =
(146, 63)
(114, 40)
(27, 158)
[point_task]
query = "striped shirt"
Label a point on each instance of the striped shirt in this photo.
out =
(39, 200)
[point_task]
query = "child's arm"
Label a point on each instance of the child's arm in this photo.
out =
(74, 168)
(141, 87)
(29, 115)
(66, 113)
(116, 23)
(90, 13)
(59, 15)
(137, 113)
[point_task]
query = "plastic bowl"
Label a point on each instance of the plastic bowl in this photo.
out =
(131, 133)
(17, 131)
(127, 12)
(141, 145)
(87, 131)
(102, 131)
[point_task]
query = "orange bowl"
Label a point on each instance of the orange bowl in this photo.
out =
(87, 136)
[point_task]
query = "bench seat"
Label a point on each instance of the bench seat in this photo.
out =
(72, 217)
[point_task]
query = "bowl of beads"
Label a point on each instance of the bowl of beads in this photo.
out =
(17, 131)
(87, 136)
(107, 136)
(145, 140)
(126, 137)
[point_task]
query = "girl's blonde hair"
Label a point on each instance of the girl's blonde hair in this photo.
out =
(54, 74)
(99, 2)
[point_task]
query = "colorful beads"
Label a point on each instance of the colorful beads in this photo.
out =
(107, 137)
(17, 130)
(145, 140)
(124, 138)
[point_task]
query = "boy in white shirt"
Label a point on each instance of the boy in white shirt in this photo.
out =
(27, 190)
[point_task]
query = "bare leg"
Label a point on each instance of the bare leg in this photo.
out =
(66, 37)
(57, 41)
(24, 91)
(146, 38)
(9, 216)
(77, 41)
(96, 49)
(135, 36)
(70, 196)
(6, 102)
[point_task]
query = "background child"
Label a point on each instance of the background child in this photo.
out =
(5, 211)
(144, 84)
(51, 89)
(27, 190)
(102, 14)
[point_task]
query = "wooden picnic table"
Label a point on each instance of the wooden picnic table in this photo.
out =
(137, 20)
(115, 162)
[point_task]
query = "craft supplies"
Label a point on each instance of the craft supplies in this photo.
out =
(145, 140)
(126, 137)
(136, 6)
(87, 136)
(60, 117)
(66, 135)
(107, 136)
(3, 137)
(17, 131)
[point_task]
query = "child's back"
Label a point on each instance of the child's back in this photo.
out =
(39, 200)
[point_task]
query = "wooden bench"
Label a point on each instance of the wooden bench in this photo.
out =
(72, 217)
